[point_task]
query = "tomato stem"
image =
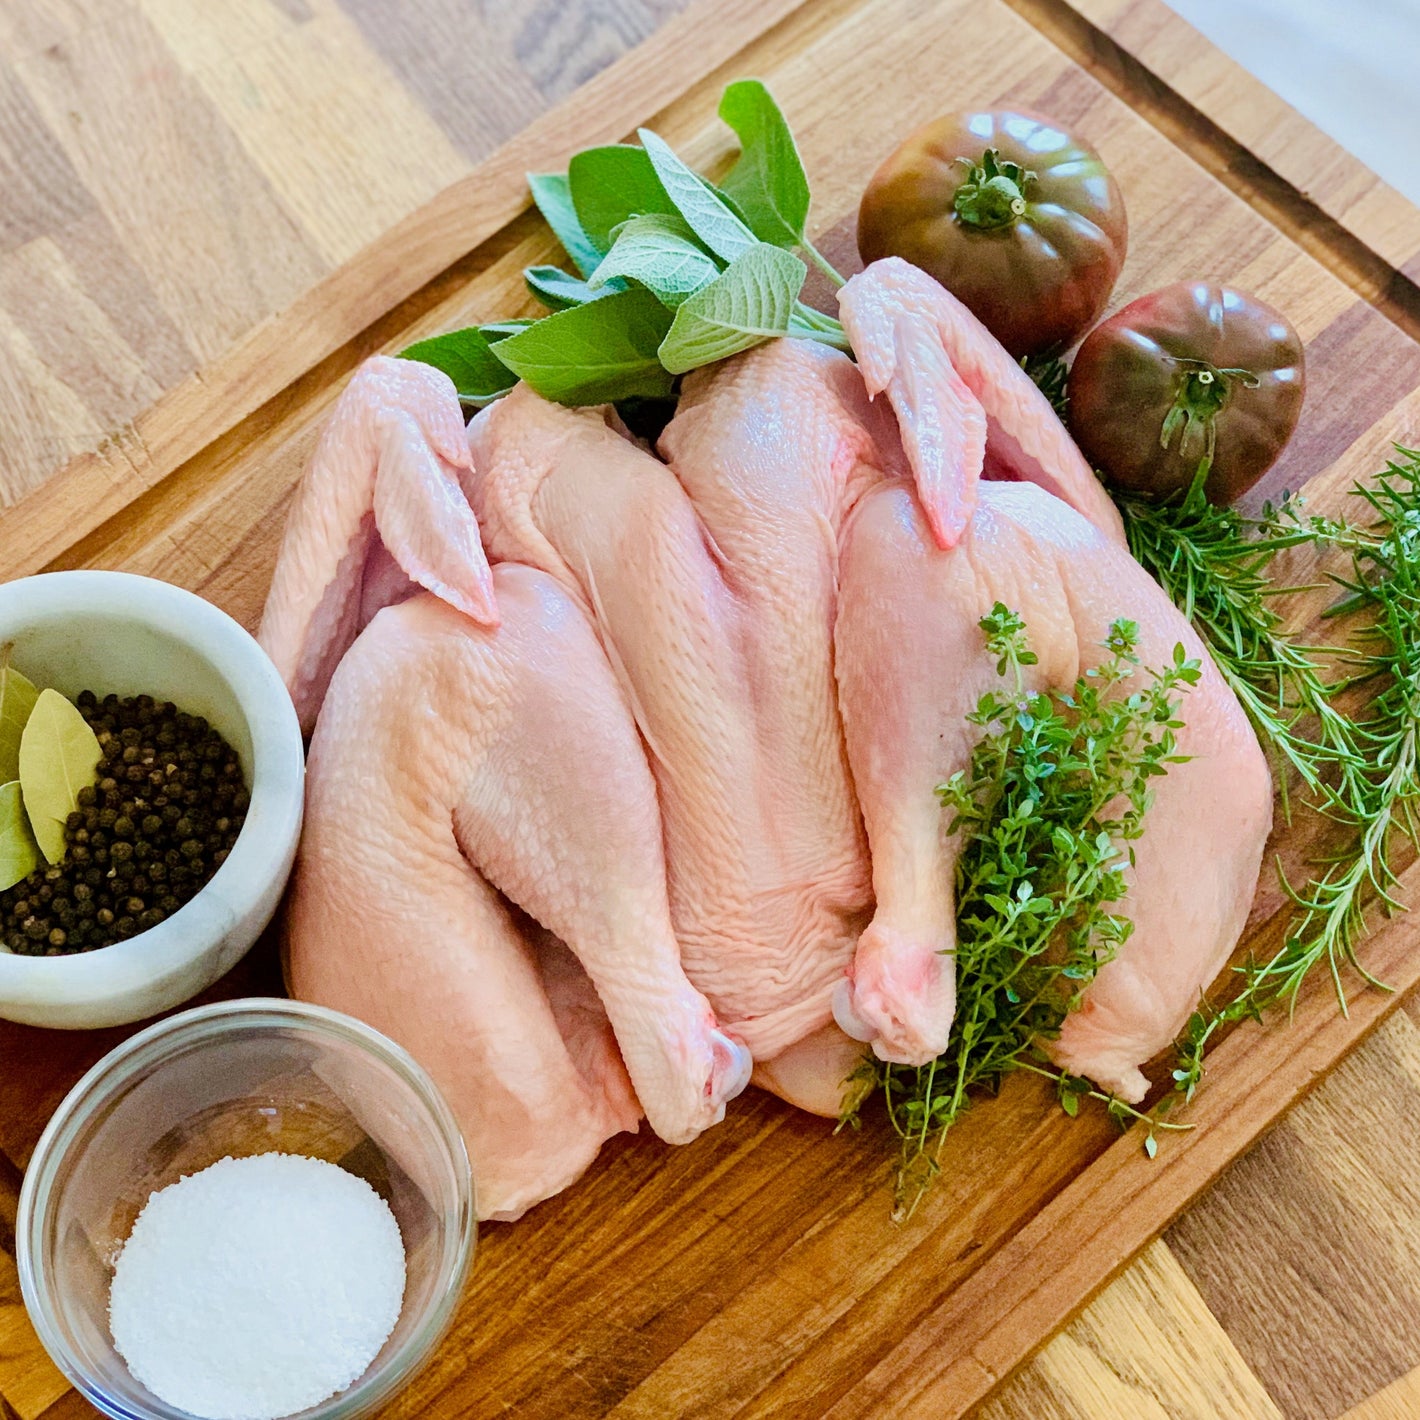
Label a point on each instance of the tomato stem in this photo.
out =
(1201, 392)
(993, 195)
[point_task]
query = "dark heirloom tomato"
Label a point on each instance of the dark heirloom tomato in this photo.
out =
(1190, 372)
(1012, 215)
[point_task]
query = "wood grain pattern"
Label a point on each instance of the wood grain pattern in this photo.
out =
(1398, 1401)
(224, 158)
(338, 307)
(1352, 1198)
(1147, 1348)
(1264, 124)
(756, 1273)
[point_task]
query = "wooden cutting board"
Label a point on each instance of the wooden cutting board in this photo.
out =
(757, 1272)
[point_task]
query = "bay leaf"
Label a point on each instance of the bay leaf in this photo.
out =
(17, 699)
(58, 756)
(19, 853)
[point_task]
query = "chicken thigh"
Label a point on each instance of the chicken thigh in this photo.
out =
(450, 760)
(912, 664)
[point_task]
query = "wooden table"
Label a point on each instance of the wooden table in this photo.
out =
(175, 174)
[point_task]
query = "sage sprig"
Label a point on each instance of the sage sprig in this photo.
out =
(669, 271)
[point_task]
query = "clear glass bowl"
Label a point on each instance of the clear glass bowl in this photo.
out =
(239, 1078)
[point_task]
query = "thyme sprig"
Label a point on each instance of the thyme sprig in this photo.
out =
(1363, 772)
(1056, 790)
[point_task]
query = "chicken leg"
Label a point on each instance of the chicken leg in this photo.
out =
(912, 665)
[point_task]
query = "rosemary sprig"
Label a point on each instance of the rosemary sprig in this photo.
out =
(1363, 773)
(1056, 790)
(1214, 563)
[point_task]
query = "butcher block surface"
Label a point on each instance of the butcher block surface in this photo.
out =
(1265, 1264)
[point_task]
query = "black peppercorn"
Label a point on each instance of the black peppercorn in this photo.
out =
(167, 806)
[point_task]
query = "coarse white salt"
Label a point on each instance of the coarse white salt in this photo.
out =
(257, 1287)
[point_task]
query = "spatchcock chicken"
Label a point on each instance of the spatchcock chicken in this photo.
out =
(621, 781)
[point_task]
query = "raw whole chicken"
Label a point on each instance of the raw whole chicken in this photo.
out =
(912, 665)
(656, 794)
(714, 584)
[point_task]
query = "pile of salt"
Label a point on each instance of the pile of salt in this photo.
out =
(258, 1287)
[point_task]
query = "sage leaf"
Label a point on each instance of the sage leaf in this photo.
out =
(660, 253)
(467, 358)
(19, 853)
(726, 199)
(58, 755)
(595, 353)
(610, 185)
(557, 290)
(500, 329)
(17, 699)
(751, 301)
(553, 196)
(708, 217)
(767, 183)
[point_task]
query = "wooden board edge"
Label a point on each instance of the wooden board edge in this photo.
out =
(94, 487)
(1274, 194)
(1083, 1238)
(1343, 186)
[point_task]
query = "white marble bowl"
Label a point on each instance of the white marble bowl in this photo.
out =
(114, 633)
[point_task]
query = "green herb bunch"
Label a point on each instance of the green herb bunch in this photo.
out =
(1364, 772)
(671, 271)
(1056, 790)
